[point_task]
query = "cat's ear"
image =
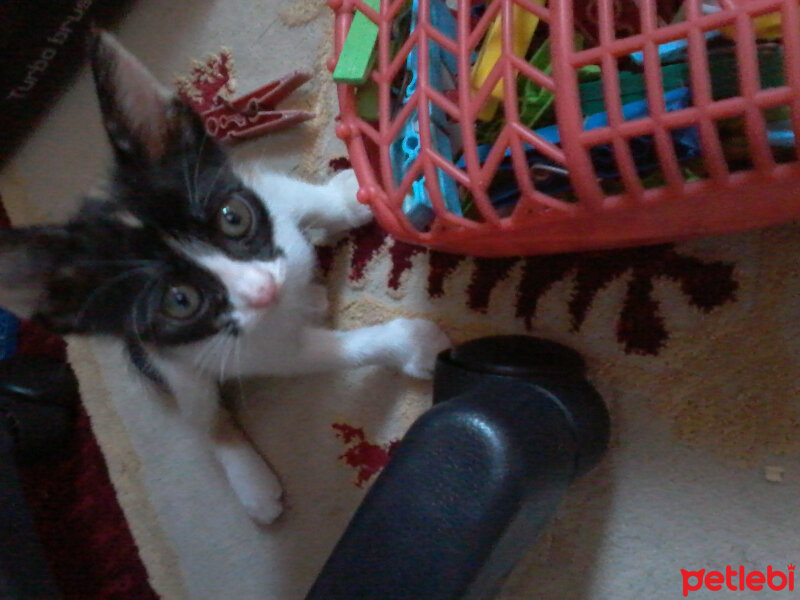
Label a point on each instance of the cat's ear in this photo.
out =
(27, 259)
(142, 117)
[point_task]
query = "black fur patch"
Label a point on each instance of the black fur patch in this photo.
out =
(108, 274)
(182, 189)
(138, 357)
(107, 277)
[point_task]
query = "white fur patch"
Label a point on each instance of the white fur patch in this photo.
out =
(242, 279)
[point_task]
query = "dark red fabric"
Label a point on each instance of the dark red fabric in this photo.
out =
(86, 539)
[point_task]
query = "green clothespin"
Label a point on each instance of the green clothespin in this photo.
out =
(534, 99)
(367, 101)
(632, 88)
(724, 71)
(358, 52)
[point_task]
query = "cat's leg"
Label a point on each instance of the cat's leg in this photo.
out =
(338, 210)
(252, 480)
(408, 345)
(331, 207)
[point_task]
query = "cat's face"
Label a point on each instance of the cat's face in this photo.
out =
(180, 251)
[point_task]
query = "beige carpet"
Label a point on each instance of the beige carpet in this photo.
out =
(694, 348)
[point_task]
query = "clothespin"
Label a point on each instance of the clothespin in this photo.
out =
(672, 51)
(405, 149)
(552, 179)
(780, 134)
(367, 101)
(255, 113)
(358, 52)
(632, 87)
(767, 27)
(534, 99)
(524, 24)
(723, 69)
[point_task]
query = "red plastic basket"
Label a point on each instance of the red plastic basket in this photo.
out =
(725, 198)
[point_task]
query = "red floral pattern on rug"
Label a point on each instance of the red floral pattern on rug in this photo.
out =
(640, 328)
(367, 458)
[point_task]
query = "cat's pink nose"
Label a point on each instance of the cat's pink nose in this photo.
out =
(263, 295)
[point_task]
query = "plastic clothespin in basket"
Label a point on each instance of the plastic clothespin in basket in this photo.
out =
(723, 70)
(534, 99)
(404, 150)
(632, 87)
(672, 51)
(551, 178)
(524, 25)
(255, 113)
(358, 51)
(9, 327)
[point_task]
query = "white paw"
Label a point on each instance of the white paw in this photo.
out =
(254, 484)
(420, 342)
(354, 214)
(260, 499)
(264, 510)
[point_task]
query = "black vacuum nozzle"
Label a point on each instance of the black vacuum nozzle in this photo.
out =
(475, 479)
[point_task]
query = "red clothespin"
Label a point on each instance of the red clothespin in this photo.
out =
(255, 113)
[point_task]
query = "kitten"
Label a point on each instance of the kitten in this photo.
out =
(190, 256)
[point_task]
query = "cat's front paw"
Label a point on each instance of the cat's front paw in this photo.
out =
(264, 510)
(256, 486)
(420, 342)
(353, 213)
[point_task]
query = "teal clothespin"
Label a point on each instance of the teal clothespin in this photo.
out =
(358, 52)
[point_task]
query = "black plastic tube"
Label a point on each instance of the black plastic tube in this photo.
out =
(475, 479)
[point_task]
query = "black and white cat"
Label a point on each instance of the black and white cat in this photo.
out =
(189, 259)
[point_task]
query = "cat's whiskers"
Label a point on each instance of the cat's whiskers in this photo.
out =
(225, 355)
(208, 352)
(116, 279)
(136, 330)
(189, 191)
(213, 183)
(197, 164)
(237, 356)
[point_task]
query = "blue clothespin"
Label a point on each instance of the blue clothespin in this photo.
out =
(672, 51)
(405, 149)
(780, 134)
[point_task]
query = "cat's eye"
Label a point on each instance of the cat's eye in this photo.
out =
(235, 218)
(181, 301)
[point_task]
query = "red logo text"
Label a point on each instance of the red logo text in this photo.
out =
(737, 580)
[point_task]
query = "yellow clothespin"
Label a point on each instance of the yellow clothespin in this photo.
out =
(767, 27)
(523, 26)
